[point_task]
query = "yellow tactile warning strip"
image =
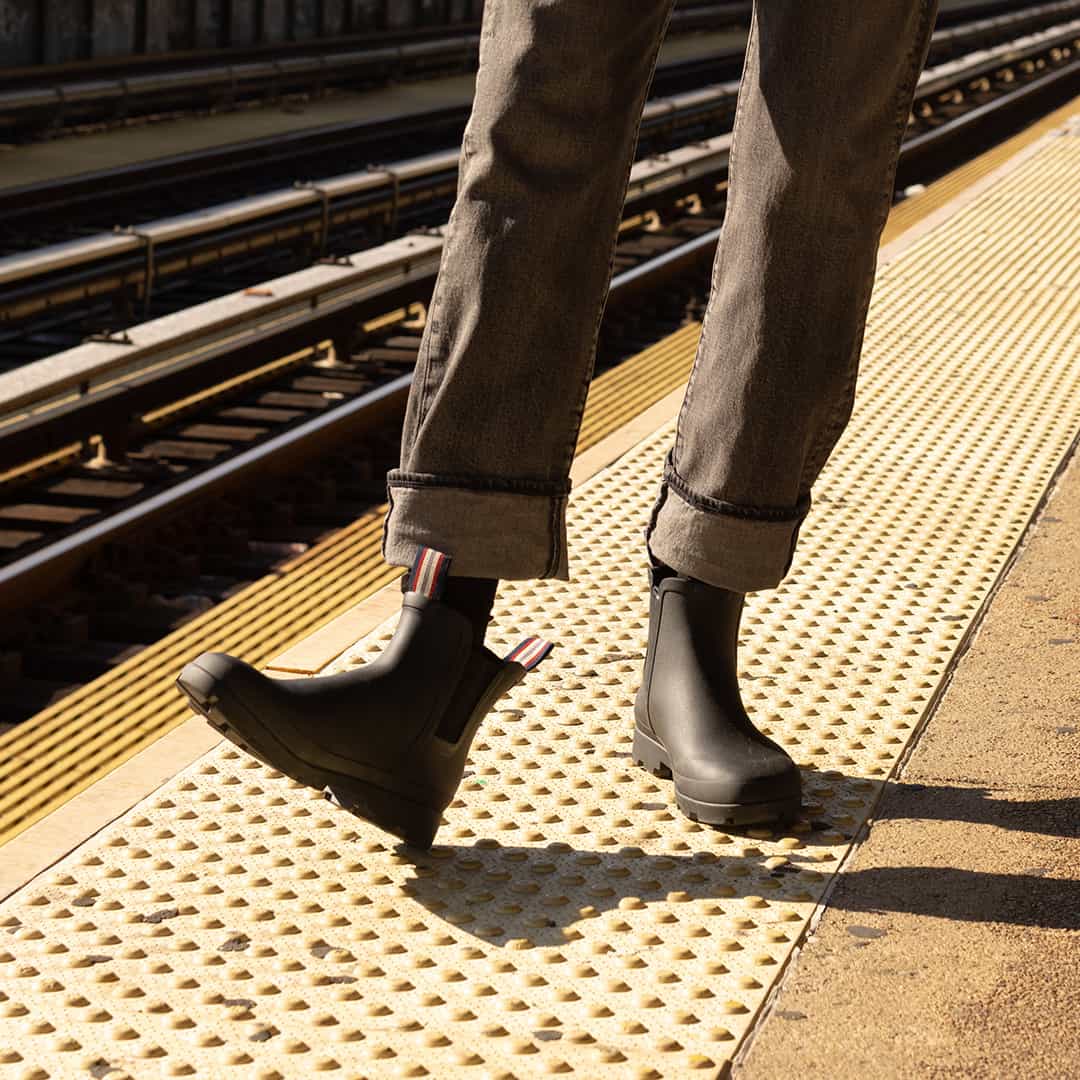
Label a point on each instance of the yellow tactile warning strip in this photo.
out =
(940, 192)
(61, 751)
(64, 749)
(569, 920)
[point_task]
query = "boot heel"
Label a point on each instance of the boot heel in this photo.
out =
(651, 755)
(413, 822)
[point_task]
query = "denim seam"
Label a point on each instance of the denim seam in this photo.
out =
(710, 505)
(386, 520)
(422, 367)
(845, 400)
(423, 360)
(553, 531)
(658, 504)
(740, 99)
(579, 412)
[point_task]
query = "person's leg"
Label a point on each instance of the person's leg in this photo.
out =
(506, 356)
(491, 424)
(826, 94)
(825, 98)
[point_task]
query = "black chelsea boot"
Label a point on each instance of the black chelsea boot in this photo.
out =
(690, 723)
(388, 740)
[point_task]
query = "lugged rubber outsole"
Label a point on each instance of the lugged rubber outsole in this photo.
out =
(413, 822)
(651, 755)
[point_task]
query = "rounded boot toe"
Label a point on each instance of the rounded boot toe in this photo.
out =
(767, 778)
(212, 674)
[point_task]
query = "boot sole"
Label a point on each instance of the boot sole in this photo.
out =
(411, 820)
(651, 755)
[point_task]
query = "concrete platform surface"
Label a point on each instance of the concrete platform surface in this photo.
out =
(950, 945)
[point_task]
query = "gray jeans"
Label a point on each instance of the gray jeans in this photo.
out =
(508, 349)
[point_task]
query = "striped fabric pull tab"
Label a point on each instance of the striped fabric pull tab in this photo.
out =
(530, 652)
(428, 574)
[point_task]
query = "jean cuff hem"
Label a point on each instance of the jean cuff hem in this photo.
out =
(487, 532)
(739, 552)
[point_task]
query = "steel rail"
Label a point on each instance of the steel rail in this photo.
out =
(377, 182)
(58, 559)
(985, 62)
(63, 193)
(948, 40)
(319, 56)
(368, 193)
(123, 65)
(1067, 78)
(40, 399)
(232, 77)
(46, 392)
(296, 443)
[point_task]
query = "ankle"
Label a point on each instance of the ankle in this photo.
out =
(470, 596)
(659, 570)
(474, 598)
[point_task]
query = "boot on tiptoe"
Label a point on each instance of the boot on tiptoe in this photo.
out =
(389, 739)
(690, 723)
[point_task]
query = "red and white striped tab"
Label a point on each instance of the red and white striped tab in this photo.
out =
(429, 572)
(530, 652)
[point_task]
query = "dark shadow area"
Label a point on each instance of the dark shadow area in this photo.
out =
(1027, 898)
(517, 893)
(504, 893)
(968, 896)
(982, 806)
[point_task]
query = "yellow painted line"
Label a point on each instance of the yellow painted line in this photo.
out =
(569, 919)
(940, 192)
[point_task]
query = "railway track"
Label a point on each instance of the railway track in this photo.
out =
(54, 297)
(99, 275)
(256, 166)
(26, 210)
(47, 99)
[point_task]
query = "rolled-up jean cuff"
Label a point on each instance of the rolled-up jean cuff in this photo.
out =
(492, 534)
(730, 551)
